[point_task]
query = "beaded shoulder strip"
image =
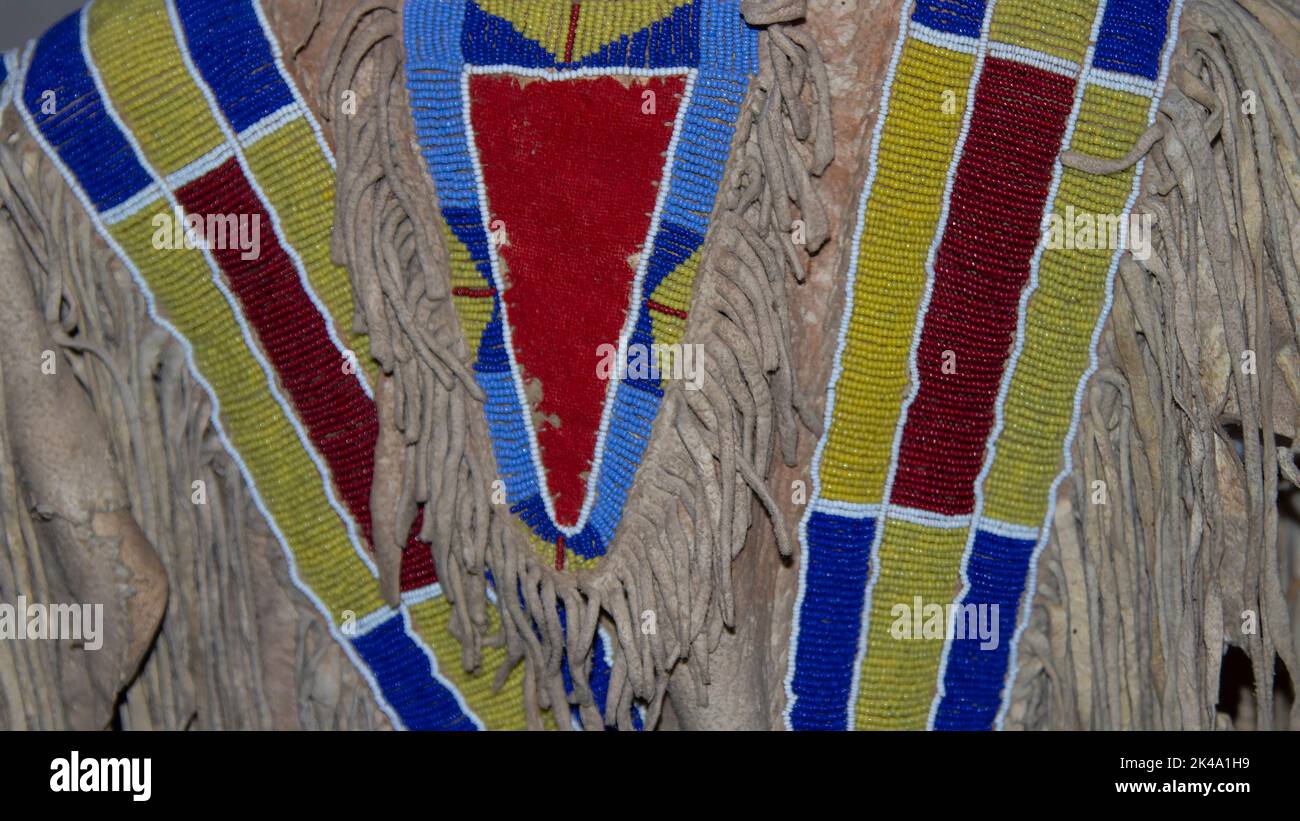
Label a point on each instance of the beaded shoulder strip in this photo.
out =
(577, 149)
(964, 347)
(159, 112)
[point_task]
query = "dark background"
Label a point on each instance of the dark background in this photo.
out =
(21, 20)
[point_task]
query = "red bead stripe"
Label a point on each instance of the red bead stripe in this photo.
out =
(574, 11)
(572, 169)
(417, 560)
(339, 418)
(982, 264)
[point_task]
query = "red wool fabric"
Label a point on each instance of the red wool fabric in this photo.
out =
(339, 418)
(572, 167)
(981, 266)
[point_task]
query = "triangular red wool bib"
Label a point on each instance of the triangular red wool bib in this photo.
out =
(571, 176)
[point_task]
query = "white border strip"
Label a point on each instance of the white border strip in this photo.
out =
(420, 595)
(847, 510)
(199, 167)
(1008, 529)
(1036, 59)
(132, 206)
(940, 39)
(928, 518)
(10, 60)
(1123, 82)
(270, 124)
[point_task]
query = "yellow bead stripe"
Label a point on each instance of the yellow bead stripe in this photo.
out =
(288, 482)
(1060, 28)
(475, 312)
(926, 107)
(897, 679)
(132, 44)
(1060, 318)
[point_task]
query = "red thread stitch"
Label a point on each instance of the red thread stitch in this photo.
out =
(573, 32)
(665, 309)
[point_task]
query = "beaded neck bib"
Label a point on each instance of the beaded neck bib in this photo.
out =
(577, 149)
(935, 479)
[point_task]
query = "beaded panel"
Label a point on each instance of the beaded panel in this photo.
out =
(963, 350)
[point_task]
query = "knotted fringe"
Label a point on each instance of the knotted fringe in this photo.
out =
(1191, 418)
(665, 585)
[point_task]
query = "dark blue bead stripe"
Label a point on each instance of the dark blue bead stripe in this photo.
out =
(998, 571)
(75, 122)
(406, 676)
(836, 555)
(1132, 37)
(961, 17)
(231, 52)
